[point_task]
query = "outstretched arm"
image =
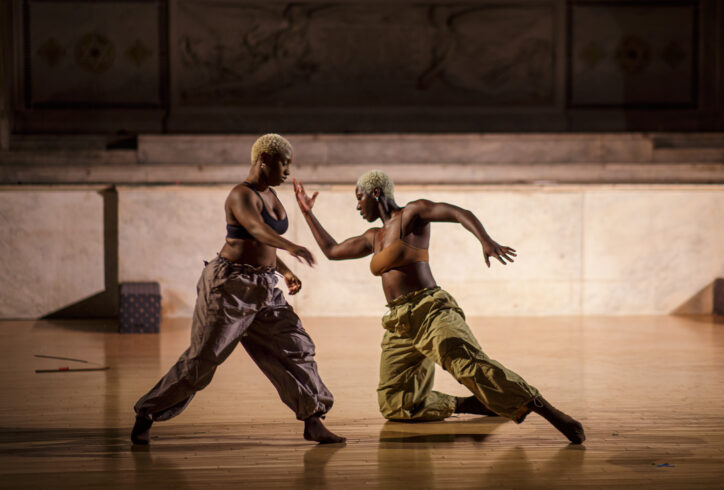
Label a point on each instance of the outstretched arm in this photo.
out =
(425, 211)
(246, 208)
(351, 248)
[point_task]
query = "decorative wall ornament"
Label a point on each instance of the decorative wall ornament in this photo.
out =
(138, 52)
(94, 52)
(643, 55)
(674, 55)
(592, 54)
(51, 52)
(633, 54)
(348, 55)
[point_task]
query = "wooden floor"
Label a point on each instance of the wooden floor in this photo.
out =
(649, 391)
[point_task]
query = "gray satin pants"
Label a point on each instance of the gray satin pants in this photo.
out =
(239, 303)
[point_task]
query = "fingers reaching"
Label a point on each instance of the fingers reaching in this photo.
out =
(304, 255)
(503, 254)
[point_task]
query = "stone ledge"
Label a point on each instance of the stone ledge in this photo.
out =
(409, 158)
(378, 149)
(451, 173)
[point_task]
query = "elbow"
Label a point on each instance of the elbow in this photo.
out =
(464, 217)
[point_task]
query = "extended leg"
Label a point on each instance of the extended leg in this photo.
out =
(451, 342)
(447, 340)
(216, 329)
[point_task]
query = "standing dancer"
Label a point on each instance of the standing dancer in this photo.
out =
(238, 302)
(425, 325)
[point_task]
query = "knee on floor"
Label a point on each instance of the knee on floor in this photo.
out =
(395, 405)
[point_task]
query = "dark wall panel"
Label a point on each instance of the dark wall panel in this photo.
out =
(395, 66)
(634, 55)
(92, 54)
(320, 55)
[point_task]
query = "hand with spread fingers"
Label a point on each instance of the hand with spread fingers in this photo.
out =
(500, 252)
(302, 254)
(305, 202)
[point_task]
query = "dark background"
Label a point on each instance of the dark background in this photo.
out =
(196, 66)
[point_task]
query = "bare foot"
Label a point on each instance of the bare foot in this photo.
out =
(567, 425)
(471, 404)
(314, 430)
(141, 431)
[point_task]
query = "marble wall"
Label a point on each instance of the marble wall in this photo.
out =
(51, 249)
(598, 250)
(591, 250)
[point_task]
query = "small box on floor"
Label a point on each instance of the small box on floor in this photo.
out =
(140, 307)
(719, 296)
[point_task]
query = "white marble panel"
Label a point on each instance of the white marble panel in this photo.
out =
(164, 234)
(660, 245)
(582, 250)
(52, 250)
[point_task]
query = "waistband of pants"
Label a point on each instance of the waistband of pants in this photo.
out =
(412, 296)
(245, 268)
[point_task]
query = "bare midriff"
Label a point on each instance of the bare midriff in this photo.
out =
(250, 252)
(406, 279)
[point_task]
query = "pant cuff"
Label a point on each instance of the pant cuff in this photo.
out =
(519, 415)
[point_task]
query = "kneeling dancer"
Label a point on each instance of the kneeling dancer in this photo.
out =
(239, 303)
(424, 324)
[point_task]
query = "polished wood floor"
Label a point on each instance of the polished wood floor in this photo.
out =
(649, 391)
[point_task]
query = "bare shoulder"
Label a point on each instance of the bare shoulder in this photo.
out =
(244, 196)
(418, 205)
(414, 210)
(371, 234)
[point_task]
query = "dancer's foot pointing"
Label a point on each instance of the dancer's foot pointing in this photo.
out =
(567, 425)
(314, 430)
(141, 430)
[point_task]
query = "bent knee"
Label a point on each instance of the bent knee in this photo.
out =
(395, 405)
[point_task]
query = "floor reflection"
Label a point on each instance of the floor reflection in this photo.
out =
(315, 464)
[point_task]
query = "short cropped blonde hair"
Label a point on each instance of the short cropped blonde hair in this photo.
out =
(273, 144)
(377, 179)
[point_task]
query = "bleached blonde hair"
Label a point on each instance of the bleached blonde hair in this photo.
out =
(272, 144)
(377, 179)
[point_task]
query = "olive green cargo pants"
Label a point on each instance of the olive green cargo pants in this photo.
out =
(427, 327)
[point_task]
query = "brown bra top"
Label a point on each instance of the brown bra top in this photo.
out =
(397, 254)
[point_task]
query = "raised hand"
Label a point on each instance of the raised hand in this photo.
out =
(500, 252)
(305, 202)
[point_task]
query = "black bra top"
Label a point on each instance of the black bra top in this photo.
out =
(278, 225)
